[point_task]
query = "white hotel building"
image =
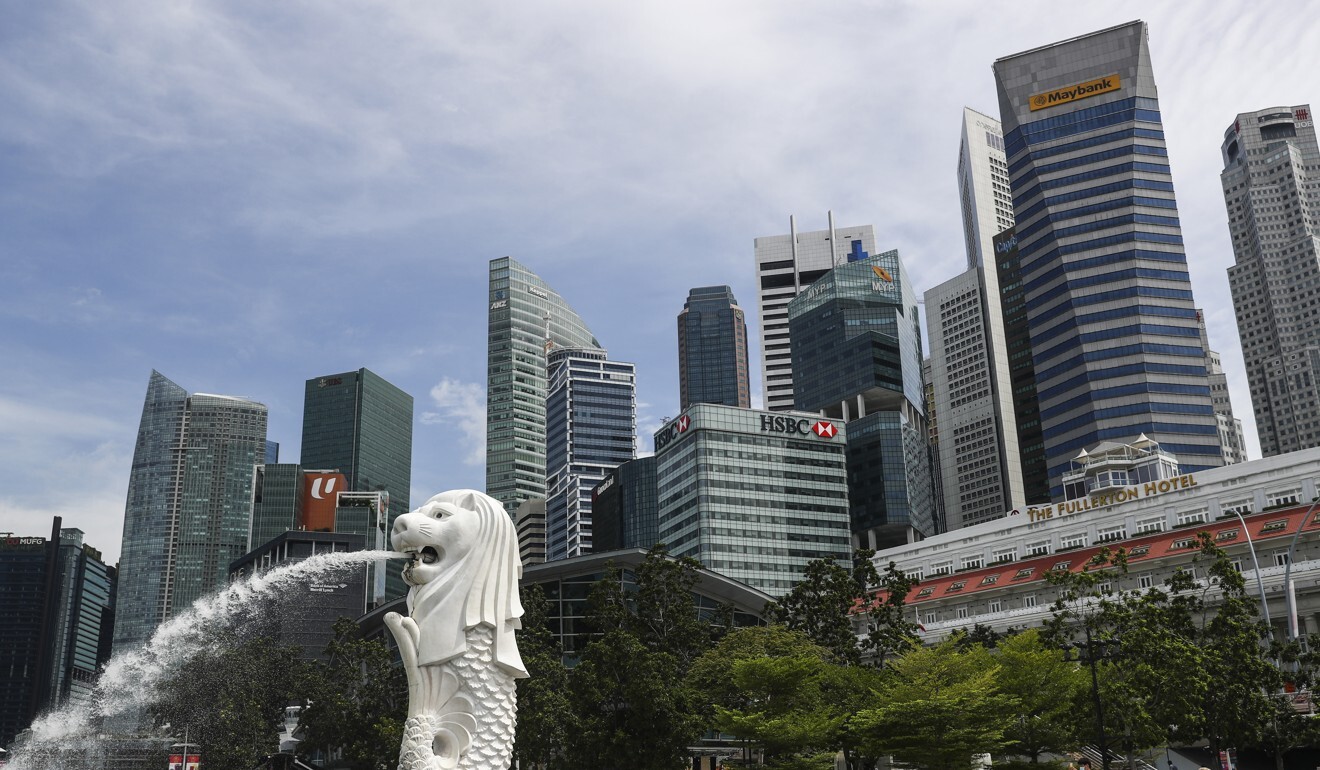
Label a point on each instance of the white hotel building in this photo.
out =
(994, 573)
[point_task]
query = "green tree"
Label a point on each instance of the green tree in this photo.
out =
(1046, 689)
(830, 597)
(659, 608)
(356, 701)
(545, 717)
(786, 708)
(231, 698)
(937, 710)
(630, 710)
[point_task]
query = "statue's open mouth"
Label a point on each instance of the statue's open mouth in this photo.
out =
(427, 555)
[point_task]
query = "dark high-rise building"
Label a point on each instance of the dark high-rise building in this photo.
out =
(56, 614)
(712, 350)
(1021, 370)
(1271, 183)
(526, 316)
(625, 509)
(857, 358)
(590, 428)
(358, 424)
(189, 503)
(785, 266)
(1114, 335)
(305, 615)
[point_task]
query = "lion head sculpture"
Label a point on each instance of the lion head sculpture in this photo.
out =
(464, 571)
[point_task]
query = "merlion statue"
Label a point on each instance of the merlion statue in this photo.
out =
(458, 644)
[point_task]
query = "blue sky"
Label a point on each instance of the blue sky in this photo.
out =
(245, 195)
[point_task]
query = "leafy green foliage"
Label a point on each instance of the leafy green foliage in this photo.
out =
(1046, 689)
(629, 706)
(356, 701)
(230, 699)
(825, 602)
(545, 715)
(938, 709)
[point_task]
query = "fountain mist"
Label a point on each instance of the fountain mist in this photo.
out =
(131, 680)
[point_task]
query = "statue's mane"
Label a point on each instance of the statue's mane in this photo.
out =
(481, 586)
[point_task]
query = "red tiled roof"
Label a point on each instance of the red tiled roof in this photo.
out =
(1268, 525)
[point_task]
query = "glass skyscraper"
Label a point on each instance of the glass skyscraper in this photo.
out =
(712, 349)
(1271, 184)
(785, 266)
(1114, 335)
(360, 425)
(753, 495)
(625, 511)
(970, 387)
(591, 428)
(857, 358)
(525, 316)
(189, 502)
(56, 609)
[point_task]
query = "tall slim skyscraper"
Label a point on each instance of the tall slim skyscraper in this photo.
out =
(785, 266)
(189, 501)
(1113, 326)
(712, 350)
(1231, 438)
(973, 395)
(857, 358)
(56, 612)
(360, 425)
(590, 429)
(1271, 182)
(525, 315)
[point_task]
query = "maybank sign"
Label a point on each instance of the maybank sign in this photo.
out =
(1072, 93)
(1111, 497)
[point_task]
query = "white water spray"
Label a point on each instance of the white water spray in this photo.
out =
(132, 679)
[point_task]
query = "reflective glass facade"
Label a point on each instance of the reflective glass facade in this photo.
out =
(525, 314)
(189, 502)
(857, 358)
(785, 266)
(56, 613)
(1113, 326)
(625, 511)
(276, 501)
(591, 428)
(712, 350)
(754, 495)
(361, 425)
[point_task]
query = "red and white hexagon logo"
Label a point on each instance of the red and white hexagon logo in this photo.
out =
(683, 423)
(825, 429)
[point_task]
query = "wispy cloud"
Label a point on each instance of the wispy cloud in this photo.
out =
(461, 405)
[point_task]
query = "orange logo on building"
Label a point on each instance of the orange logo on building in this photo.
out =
(882, 273)
(320, 496)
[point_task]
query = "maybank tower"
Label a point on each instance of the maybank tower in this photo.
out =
(1113, 326)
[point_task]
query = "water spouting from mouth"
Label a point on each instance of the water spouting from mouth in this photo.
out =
(132, 679)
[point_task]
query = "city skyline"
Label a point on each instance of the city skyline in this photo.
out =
(152, 176)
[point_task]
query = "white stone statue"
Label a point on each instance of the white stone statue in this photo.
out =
(458, 644)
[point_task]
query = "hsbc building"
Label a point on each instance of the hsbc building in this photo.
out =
(751, 494)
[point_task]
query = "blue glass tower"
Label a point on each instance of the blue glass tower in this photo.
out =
(857, 358)
(189, 502)
(712, 349)
(590, 429)
(1114, 335)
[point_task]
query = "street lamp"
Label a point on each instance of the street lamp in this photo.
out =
(1287, 572)
(1089, 652)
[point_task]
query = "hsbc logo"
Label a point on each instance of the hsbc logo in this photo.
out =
(672, 431)
(772, 423)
